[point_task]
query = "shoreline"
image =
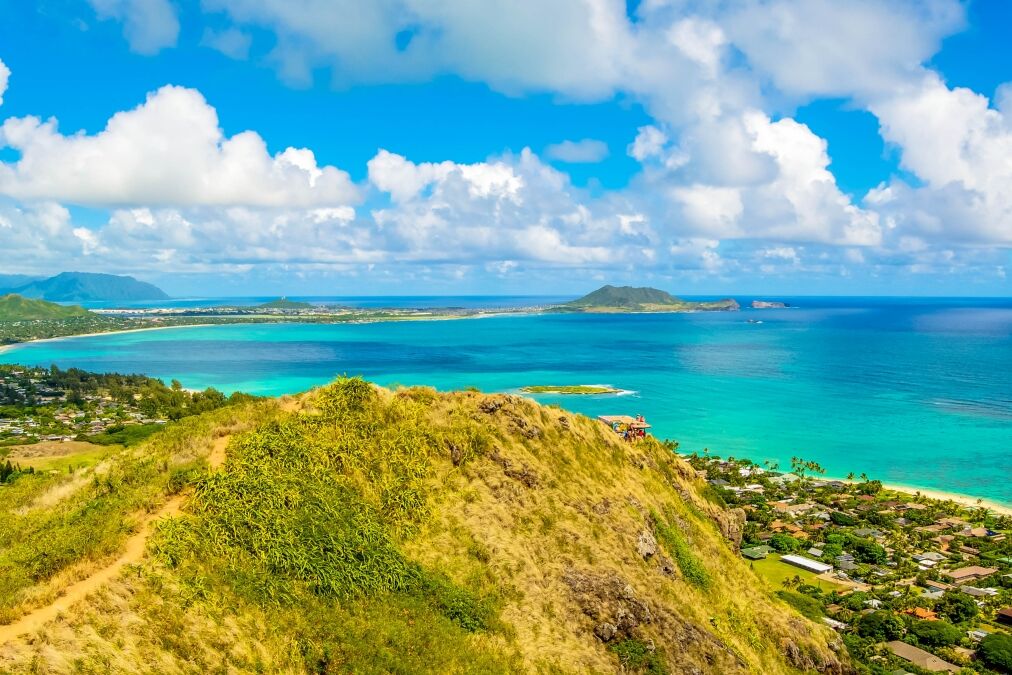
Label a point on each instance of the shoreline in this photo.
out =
(15, 345)
(964, 500)
(386, 319)
(968, 501)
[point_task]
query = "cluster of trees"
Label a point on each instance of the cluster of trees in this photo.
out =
(996, 651)
(148, 395)
(174, 402)
(14, 331)
(864, 550)
(9, 472)
(953, 608)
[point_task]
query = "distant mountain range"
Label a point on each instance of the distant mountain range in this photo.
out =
(81, 287)
(11, 281)
(629, 298)
(17, 308)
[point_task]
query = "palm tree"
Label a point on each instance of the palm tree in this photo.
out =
(850, 476)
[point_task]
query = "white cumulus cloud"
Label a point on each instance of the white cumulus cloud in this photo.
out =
(5, 74)
(729, 182)
(960, 147)
(167, 151)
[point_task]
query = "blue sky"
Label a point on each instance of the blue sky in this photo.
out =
(778, 146)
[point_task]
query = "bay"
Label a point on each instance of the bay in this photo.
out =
(912, 391)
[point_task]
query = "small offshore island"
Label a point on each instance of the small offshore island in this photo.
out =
(571, 389)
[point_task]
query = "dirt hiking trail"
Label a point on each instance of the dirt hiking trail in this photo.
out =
(133, 552)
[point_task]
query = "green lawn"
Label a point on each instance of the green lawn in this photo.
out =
(774, 572)
(48, 456)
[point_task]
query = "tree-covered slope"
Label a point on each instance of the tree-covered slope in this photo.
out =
(86, 286)
(628, 298)
(17, 308)
(625, 296)
(364, 530)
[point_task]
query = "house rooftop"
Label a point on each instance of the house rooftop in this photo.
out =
(806, 563)
(756, 552)
(970, 572)
(922, 613)
(624, 419)
(921, 658)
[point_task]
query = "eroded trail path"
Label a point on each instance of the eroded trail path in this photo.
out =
(133, 552)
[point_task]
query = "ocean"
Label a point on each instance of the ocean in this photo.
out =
(912, 391)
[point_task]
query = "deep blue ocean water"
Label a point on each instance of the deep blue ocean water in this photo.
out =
(909, 390)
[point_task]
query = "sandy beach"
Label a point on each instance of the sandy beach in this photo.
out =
(964, 500)
(5, 348)
(961, 499)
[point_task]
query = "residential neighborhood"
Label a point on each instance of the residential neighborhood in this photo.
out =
(913, 584)
(34, 408)
(53, 405)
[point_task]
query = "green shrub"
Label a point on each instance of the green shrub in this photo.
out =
(805, 605)
(128, 435)
(637, 657)
(840, 518)
(674, 543)
(784, 543)
(936, 633)
(464, 608)
(880, 625)
(714, 495)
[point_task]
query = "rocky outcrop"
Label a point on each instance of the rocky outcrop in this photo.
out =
(617, 613)
(610, 602)
(513, 408)
(522, 474)
(646, 544)
(731, 523)
(806, 662)
(768, 304)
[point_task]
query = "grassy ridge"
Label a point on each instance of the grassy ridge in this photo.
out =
(59, 521)
(411, 531)
(17, 308)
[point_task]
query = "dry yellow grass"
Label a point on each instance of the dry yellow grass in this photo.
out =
(593, 499)
(550, 518)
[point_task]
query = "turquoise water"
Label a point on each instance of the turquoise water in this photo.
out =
(916, 392)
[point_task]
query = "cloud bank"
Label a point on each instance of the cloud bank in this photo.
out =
(729, 183)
